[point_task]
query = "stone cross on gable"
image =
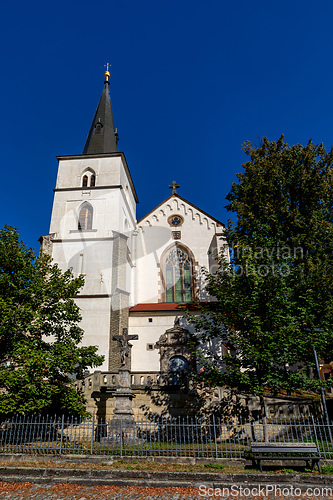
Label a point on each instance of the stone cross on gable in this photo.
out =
(174, 187)
(124, 345)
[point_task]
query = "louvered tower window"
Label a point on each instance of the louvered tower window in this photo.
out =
(98, 128)
(85, 217)
(178, 275)
(85, 181)
(92, 181)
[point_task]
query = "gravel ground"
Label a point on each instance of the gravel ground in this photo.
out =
(21, 491)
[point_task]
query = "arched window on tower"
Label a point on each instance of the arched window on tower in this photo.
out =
(88, 178)
(85, 217)
(98, 128)
(178, 275)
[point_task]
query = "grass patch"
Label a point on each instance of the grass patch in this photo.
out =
(327, 469)
(124, 464)
(215, 466)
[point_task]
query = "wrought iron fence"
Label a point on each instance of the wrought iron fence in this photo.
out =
(184, 436)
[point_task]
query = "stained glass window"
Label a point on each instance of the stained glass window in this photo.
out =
(178, 276)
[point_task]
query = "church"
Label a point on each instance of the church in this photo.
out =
(137, 272)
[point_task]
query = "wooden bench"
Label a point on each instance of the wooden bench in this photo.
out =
(294, 449)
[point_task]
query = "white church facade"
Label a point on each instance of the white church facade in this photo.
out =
(137, 273)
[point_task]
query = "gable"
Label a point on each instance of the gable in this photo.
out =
(175, 204)
(175, 223)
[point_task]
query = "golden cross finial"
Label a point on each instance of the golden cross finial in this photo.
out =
(107, 72)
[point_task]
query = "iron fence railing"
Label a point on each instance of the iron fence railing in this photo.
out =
(184, 436)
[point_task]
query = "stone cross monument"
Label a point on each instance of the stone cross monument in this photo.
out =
(123, 421)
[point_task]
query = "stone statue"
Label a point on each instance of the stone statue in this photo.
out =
(125, 346)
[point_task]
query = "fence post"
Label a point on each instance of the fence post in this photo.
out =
(92, 434)
(215, 439)
(62, 433)
(264, 423)
(121, 436)
(315, 433)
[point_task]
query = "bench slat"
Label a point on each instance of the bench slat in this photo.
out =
(284, 447)
(284, 450)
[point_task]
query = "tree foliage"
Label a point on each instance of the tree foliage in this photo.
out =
(40, 351)
(278, 285)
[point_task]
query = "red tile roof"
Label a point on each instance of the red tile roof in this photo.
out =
(165, 306)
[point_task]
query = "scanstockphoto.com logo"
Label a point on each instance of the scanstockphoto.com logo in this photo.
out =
(265, 491)
(264, 261)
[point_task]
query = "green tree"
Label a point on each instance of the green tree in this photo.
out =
(278, 285)
(40, 352)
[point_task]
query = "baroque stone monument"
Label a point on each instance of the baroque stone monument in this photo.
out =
(123, 423)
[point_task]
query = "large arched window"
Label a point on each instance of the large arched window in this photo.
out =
(178, 275)
(85, 217)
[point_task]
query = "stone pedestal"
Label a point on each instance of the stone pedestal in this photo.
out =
(123, 426)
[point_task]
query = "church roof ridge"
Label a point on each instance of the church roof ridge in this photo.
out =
(219, 223)
(102, 136)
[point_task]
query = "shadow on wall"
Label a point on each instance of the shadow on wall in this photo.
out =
(186, 395)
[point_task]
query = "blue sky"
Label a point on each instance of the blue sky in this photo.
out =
(190, 83)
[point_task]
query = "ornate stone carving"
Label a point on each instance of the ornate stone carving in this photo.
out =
(174, 343)
(125, 347)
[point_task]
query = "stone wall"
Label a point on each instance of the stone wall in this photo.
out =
(157, 393)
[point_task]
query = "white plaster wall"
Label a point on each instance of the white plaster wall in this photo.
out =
(91, 258)
(107, 171)
(96, 324)
(143, 360)
(127, 191)
(149, 333)
(109, 212)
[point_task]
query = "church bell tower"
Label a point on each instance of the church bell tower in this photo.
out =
(92, 223)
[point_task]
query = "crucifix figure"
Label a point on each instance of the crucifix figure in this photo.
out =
(124, 345)
(174, 187)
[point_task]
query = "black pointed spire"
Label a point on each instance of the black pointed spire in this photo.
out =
(102, 137)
